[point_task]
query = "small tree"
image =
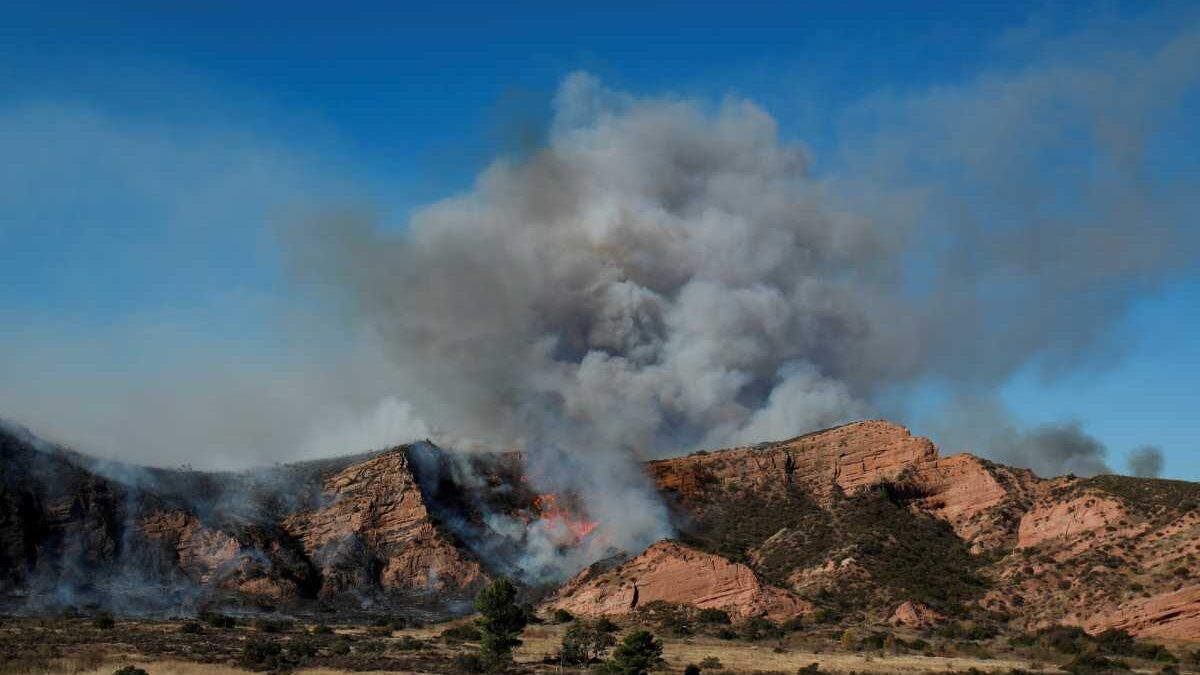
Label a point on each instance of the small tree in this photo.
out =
(585, 642)
(500, 623)
(637, 654)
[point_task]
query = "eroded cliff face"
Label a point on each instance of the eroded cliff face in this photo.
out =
(1108, 552)
(865, 518)
(849, 458)
(376, 529)
(354, 531)
(675, 574)
(1100, 553)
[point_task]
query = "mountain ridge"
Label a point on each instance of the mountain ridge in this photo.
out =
(856, 522)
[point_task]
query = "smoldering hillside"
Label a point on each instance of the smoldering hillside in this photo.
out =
(413, 528)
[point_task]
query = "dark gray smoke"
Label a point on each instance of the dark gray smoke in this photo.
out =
(1055, 449)
(1146, 462)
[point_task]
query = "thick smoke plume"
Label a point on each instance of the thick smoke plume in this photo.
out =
(665, 275)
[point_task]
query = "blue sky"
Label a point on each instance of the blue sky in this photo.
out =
(152, 152)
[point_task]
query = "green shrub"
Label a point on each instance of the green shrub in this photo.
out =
(563, 616)
(217, 620)
(191, 628)
(369, 647)
(792, 625)
(1116, 642)
(261, 655)
(691, 669)
(718, 616)
(463, 632)
(302, 648)
(757, 628)
(1153, 652)
(340, 647)
(104, 621)
(265, 625)
(638, 654)
(584, 643)
(130, 670)
(675, 625)
(825, 615)
(1091, 663)
(469, 662)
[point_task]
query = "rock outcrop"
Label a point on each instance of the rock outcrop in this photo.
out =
(1058, 519)
(865, 513)
(1173, 615)
(354, 530)
(376, 512)
(675, 574)
(850, 458)
(915, 615)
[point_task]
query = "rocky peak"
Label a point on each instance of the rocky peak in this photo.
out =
(375, 513)
(850, 457)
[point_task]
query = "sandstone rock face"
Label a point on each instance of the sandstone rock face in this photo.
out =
(676, 574)
(1053, 519)
(865, 511)
(850, 457)
(1174, 615)
(980, 500)
(915, 615)
(150, 539)
(375, 511)
(204, 554)
(250, 561)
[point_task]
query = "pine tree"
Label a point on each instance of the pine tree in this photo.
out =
(500, 624)
(637, 654)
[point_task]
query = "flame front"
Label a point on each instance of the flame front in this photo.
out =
(574, 526)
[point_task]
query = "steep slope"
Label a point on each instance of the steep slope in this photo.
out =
(1108, 552)
(864, 522)
(74, 530)
(375, 531)
(864, 518)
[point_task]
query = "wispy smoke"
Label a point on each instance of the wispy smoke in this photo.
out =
(1146, 462)
(982, 424)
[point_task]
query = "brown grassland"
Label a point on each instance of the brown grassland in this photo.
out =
(79, 646)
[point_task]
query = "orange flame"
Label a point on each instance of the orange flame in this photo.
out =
(551, 510)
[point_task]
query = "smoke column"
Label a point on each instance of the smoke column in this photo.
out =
(665, 274)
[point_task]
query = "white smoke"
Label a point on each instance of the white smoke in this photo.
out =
(390, 423)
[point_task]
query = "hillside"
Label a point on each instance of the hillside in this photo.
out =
(862, 524)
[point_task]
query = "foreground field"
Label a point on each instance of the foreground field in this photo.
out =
(79, 647)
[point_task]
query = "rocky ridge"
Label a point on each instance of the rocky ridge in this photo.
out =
(864, 522)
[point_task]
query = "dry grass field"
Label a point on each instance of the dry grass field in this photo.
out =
(76, 647)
